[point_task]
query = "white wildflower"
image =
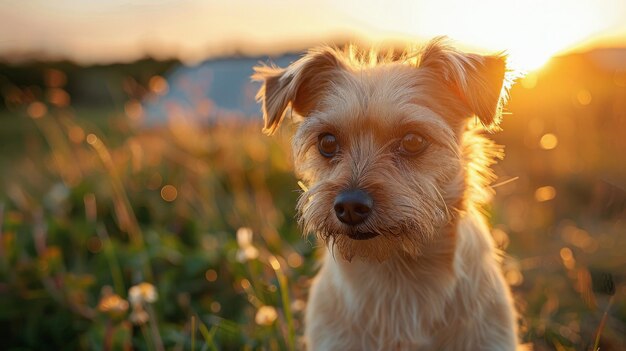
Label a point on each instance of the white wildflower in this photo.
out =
(138, 316)
(143, 292)
(266, 315)
(246, 251)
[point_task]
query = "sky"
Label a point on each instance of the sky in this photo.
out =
(99, 31)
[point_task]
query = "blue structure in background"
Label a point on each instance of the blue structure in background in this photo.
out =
(222, 84)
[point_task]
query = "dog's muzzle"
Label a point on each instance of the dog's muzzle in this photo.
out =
(353, 206)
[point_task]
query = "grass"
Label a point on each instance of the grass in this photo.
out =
(93, 206)
(94, 216)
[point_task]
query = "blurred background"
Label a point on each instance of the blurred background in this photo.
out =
(141, 208)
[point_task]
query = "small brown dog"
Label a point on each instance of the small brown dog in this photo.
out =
(397, 169)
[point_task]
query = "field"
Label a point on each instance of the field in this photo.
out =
(182, 236)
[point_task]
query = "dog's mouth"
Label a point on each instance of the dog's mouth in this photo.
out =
(362, 235)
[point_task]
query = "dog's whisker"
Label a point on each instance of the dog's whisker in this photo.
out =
(443, 202)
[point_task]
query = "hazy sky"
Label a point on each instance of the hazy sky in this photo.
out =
(108, 30)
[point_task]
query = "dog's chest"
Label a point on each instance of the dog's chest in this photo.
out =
(394, 304)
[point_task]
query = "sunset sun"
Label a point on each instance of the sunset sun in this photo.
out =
(530, 32)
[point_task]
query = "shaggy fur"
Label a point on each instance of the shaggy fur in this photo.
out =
(430, 279)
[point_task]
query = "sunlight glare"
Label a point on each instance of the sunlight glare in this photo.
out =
(530, 32)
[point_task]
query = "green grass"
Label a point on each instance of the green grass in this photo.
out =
(82, 216)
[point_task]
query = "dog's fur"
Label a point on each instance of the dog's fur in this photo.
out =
(431, 279)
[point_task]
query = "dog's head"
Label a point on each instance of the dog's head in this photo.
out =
(382, 143)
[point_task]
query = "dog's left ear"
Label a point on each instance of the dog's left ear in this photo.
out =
(300, 85)
(476, 80)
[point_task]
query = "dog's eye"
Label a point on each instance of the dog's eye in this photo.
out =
(413, 144)
(327, 145)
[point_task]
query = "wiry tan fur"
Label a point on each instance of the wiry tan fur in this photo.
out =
(431, 279)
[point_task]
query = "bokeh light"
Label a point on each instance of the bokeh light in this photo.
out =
(211, 275)
(169, 193)
(548, 141)
(545, 193)
(58, 97)
(92, 139)
(76, 134)
(158, 85)
(133, 110)
(294, 260)
(37, 110)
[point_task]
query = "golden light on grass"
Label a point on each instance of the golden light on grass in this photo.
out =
(548, 141)
(284, 294)
(37, 110)
(302, 186)
(583, 96)
(158, 85)
(567, 256)
(274, 263)
(545, 193)
(92, 139)
(169, 193)
(123, 209)
(579, 238)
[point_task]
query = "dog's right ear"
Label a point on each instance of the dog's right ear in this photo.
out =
(302, 84)
(479, 82)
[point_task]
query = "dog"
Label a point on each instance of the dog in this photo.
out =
(392, 150)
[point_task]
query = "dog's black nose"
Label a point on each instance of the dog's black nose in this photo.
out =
(353, 206)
